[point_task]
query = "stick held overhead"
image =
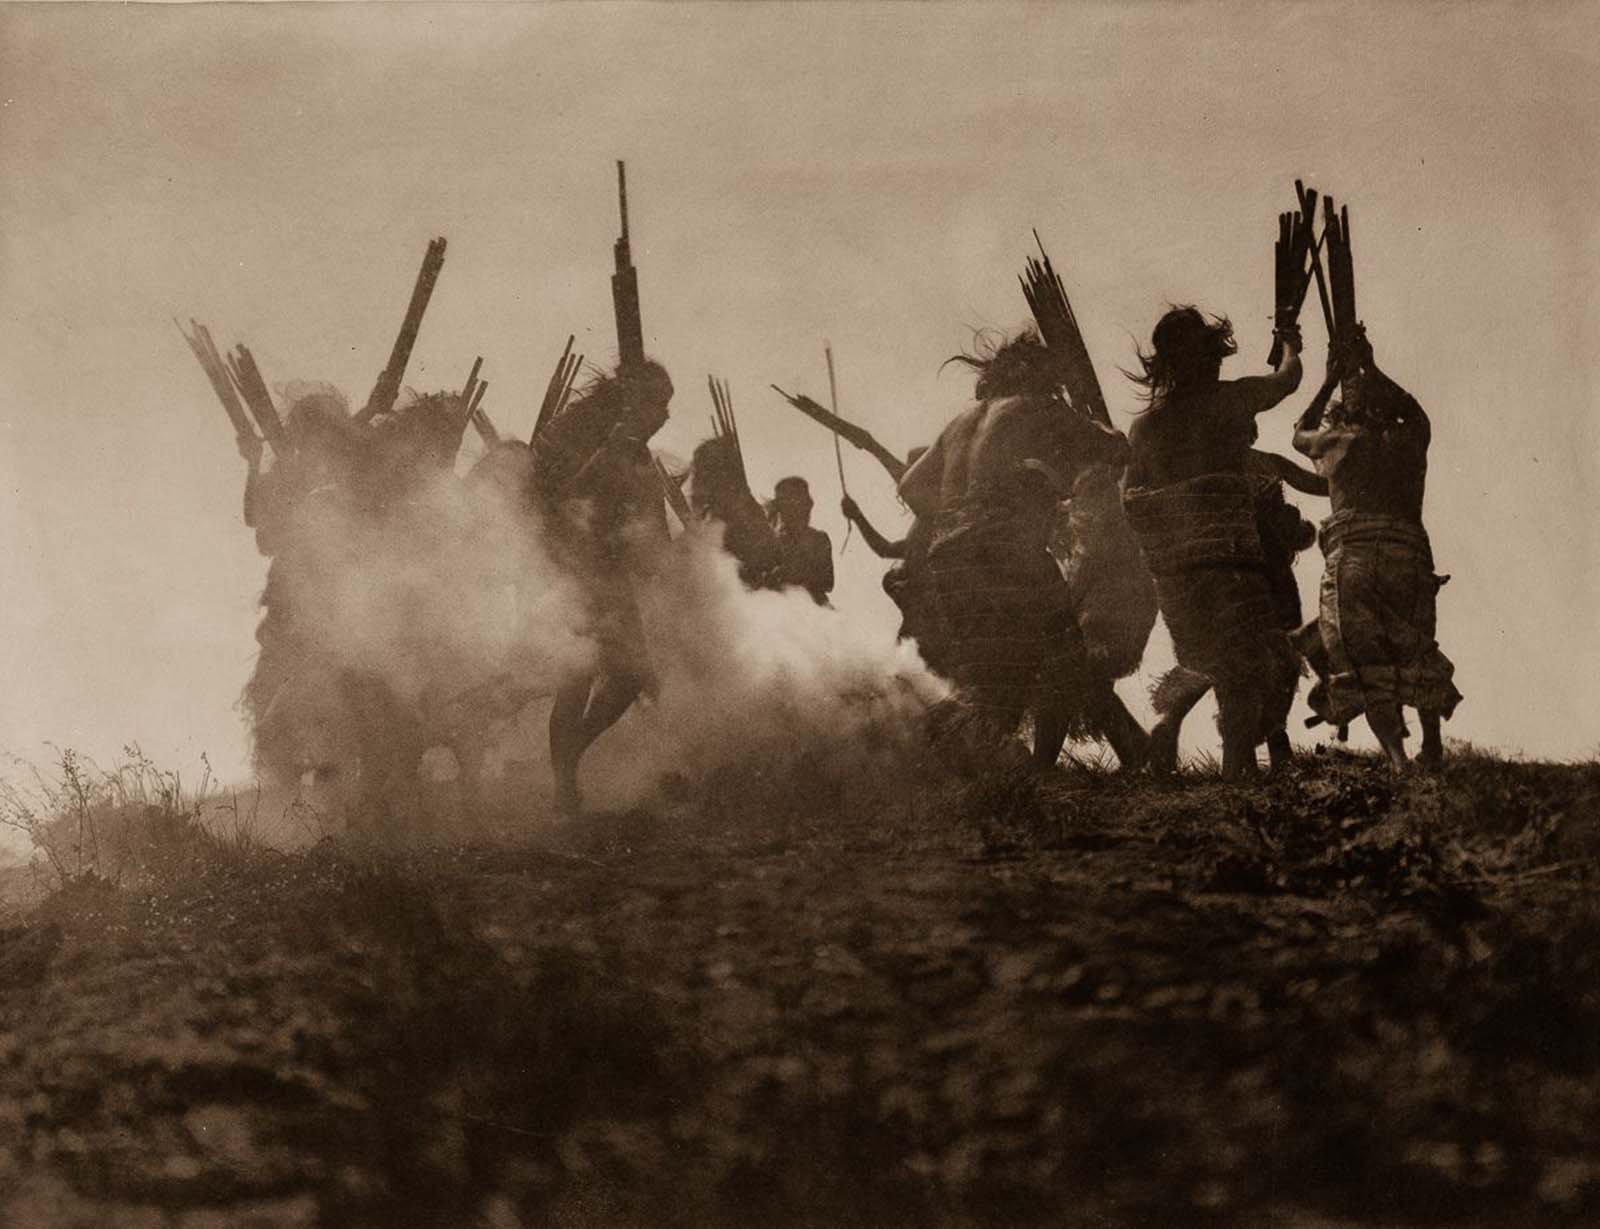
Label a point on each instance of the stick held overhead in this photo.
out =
(558, 389)
(833, 401)
(387, 389)
(205, 353)
(625, 286)
(247, 378)
(724, 425)
(1308, 211)
(1058, 326)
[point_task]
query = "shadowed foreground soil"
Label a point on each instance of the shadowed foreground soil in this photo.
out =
(1332, 1000)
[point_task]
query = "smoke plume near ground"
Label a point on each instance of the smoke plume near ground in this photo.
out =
(447, 596)
(767, 681)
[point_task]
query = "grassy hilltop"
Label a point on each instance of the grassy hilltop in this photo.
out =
(1332, 999)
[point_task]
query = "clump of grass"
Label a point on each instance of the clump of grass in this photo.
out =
(129, 823)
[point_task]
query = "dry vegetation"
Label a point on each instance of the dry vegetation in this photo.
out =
(1335, 999)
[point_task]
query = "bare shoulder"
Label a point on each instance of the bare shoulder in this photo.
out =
(964, 424)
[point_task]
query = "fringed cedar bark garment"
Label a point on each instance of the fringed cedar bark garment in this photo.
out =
(1379, 618)
(1003, 605)
(1200, 542)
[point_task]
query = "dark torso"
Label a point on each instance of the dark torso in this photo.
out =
(808, 561)
(1203, 431)
(1370, 469)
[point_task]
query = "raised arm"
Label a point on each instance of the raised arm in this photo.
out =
(1310, 422)
(922, 482)
(881, 546)
(250, 450)
(1289, 473)
(1258, 394)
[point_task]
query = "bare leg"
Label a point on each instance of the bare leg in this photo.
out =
(1239, 708)
(567, 741)
(1119, 727)
(612, 696)
(1432, 754)
(1163, 743)
(1049, 735)
(1390, 728)
(573, 729)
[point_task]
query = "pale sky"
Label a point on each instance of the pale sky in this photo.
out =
(868, 174)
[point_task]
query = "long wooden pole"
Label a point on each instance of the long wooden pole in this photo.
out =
(833, 403)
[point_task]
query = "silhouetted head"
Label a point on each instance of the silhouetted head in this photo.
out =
(646, 391)
(421, 432)
(634, 397)
(1016, 366)
(715, 477)
(318, 424)
(791, 499)
(1186, 352)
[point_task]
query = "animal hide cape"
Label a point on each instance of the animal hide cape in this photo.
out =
(1111, 591)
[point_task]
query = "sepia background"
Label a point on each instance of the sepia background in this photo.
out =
(866, 174)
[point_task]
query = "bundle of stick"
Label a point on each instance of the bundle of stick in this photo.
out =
(1344, 329)
(558, 390)
(672, 490)
(233, 377)
(1292, 259)
(472, 405)
(625, 286)
(724, 426)
(1058, 326)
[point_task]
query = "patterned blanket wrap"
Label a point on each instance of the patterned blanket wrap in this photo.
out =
(1378, 619)
(1200, 541)
(1002, 604)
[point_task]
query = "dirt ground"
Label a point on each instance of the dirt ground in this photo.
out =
(1332, 1000)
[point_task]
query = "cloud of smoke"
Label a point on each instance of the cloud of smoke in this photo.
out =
(443, 594)
(759, 680)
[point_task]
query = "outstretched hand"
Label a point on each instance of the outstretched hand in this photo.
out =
(850, 508)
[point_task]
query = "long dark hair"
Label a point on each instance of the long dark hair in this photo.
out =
(1186, 350)
(1009, 366)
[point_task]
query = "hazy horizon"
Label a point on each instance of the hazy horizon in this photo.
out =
(869, 174)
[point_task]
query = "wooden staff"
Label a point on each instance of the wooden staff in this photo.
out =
(838, 455)
(833, 402)
(387, 388)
